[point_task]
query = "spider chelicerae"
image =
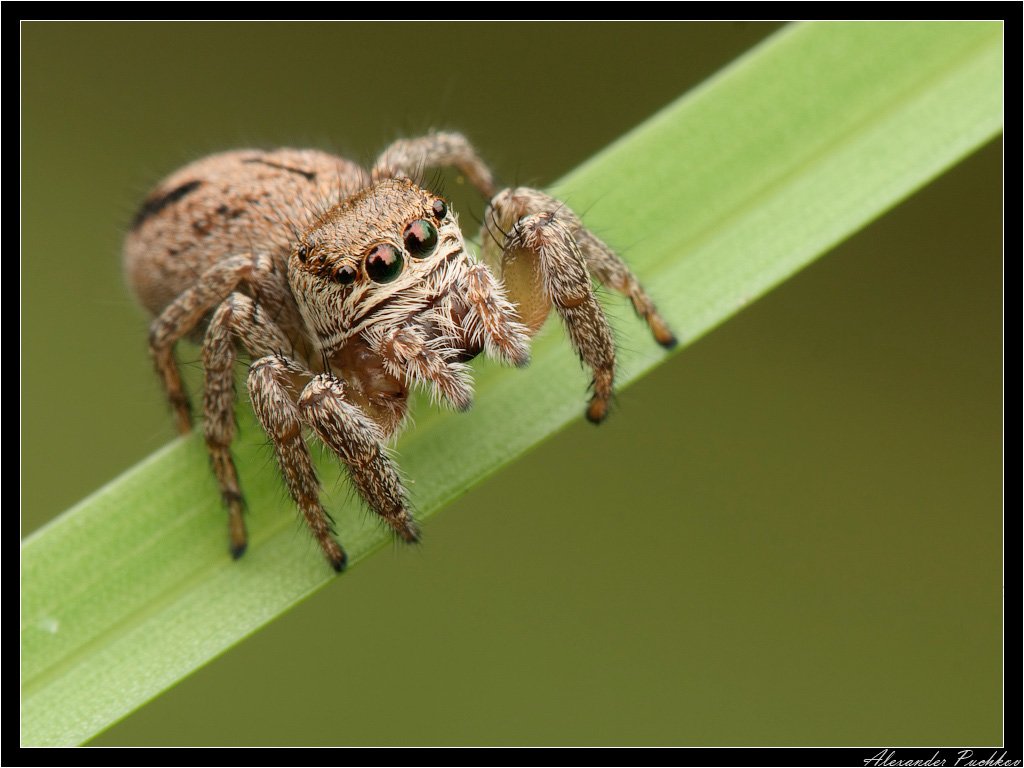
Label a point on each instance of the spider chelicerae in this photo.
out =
(345, 288)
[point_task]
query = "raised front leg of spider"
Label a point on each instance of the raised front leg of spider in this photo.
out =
(345, 288)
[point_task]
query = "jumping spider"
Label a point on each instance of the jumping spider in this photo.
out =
(346, 288)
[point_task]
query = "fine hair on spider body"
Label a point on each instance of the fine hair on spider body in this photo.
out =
(345, 288)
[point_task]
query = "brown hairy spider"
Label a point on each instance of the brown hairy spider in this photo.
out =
(345, 289)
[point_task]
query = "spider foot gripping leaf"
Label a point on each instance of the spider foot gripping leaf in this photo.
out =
(346, 288)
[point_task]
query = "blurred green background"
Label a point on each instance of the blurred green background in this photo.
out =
(820, 478)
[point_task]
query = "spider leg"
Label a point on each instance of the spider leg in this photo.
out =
(241, 317)
(182, 316)
(269, 383)
(612, 271)
(409, 157)
(359, 442)
(493, 317)
(546, 258)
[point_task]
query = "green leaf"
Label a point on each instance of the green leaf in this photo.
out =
(716, 199)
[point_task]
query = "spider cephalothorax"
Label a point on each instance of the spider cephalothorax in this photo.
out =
(385, 276)
(345, 290)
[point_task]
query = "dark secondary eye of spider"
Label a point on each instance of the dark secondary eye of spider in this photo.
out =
(420, 238)
(345, 275)
(384, 263)
(440, 209)
(302, 252)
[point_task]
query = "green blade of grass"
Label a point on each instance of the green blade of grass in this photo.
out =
(716, 199)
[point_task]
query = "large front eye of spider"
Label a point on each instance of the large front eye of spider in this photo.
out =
(420, 238)
(384, 263)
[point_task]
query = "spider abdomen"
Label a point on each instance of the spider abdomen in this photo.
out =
(228, 204)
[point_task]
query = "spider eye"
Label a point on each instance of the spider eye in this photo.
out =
(420, 238)
(384, 263)
(302, 252)
(440, 209)
(345, 275)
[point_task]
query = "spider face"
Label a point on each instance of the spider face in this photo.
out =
(390, 256)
